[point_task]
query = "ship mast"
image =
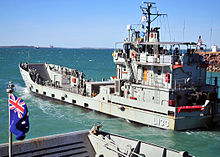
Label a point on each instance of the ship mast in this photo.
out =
(147, 13)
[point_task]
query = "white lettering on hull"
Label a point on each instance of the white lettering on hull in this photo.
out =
(161, 122)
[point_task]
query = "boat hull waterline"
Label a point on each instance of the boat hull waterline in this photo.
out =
(142, 116)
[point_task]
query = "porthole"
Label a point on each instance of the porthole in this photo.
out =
(86, 105)
(73, 101)
(122, 108)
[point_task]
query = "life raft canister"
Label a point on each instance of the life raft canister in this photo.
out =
(133, 54)
(167, 77)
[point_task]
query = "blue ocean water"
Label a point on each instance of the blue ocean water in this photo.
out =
(48, 117)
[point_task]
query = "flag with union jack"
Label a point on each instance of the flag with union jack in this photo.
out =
(19, 117)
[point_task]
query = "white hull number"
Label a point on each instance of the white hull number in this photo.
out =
(161, 122)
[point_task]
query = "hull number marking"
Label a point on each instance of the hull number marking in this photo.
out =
(161, 122)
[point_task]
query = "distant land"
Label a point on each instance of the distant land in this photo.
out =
(20, 46)
(37, 47)
(95, 48)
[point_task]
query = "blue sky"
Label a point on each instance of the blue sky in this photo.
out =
(101, 23)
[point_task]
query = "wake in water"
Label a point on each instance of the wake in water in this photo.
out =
(33, 102)
(205, 135)
(22, 90)
(48, 108)
(128, 121)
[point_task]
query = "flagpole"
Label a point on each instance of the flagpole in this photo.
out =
(9, 90)
(9, 136)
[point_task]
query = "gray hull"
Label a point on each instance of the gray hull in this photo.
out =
(133, 110)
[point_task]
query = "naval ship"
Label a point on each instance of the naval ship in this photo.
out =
(159, 84)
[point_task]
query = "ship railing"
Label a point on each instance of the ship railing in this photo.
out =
(119, 43)
(161, 83)
(158, 59)
(186, 83)
(120, 53)
(64, 87)
(162, 59)
(151, 57)
(179, 83)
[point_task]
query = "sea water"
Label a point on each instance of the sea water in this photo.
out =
(49, 117)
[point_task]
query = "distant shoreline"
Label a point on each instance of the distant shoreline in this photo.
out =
(36, 47)
(17, 46)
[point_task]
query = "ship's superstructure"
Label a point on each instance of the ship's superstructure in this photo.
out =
(161, 84)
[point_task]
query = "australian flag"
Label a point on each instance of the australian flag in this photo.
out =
(19, 122)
